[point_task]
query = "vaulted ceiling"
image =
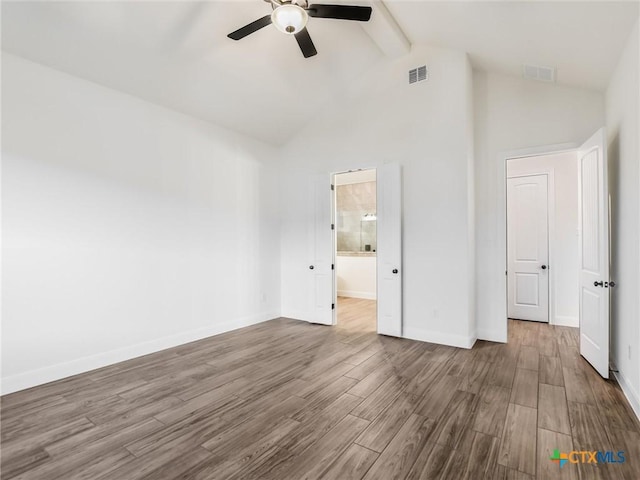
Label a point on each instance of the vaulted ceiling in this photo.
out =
(582, 39)
(177, 54)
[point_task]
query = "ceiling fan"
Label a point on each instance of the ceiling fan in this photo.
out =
(291, 16)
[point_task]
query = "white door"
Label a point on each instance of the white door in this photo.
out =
(321, 252)
(389, 253)
(594, 253)
(528, 248)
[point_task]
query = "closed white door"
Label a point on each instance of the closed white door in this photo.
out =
(528, 248)
(389, 237)
(321, 249)
(594, 253)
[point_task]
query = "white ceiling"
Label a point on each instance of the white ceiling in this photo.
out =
(582, 39)
(177, 53)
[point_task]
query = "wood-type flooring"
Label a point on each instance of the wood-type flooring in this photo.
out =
(288, 400)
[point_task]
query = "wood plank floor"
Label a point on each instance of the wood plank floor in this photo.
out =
(289, 400)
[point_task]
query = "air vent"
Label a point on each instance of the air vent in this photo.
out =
(419, 74)
(540, 73)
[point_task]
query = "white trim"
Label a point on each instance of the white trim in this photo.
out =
(334, 246)
(297, 315)
(566, 321)
(430, 336)
(334, 208)
(491, 335)
(539, 151)
(361, 175)
(52, 373)
(629, 392)
(356, 294)
(502, 212)
(302, 318)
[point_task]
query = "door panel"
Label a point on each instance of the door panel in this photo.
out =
(389, 253)
(321, 275)
(594, 253)
(528, 248)
(527, 289)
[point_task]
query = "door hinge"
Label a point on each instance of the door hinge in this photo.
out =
(333, 306)
(332, 188)
(333, 226)
(332, 266)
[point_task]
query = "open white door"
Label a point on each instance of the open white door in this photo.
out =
(389, 250)
(594, 253)
(528, 248)
(321, 251)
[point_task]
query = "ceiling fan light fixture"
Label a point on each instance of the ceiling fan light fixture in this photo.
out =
(289, 18)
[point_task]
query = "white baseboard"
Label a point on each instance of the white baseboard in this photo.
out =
(489, 335)
(629, 392)
(296, 315)
(564, 321)
(414, 334)
(459, 341)
(51, 373)
(354, 294)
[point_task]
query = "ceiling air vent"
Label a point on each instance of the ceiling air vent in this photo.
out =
(540, 73)
(419, 74)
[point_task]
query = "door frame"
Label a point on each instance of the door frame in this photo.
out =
(551, 218)
(505, 156)
(334, 207)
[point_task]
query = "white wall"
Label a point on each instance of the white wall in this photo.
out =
(356, 276)
(623, 128)
(563, 230)
(127, 228)
(424, 128)
(514, 114)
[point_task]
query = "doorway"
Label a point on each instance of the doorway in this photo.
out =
(577, 222)
(356, 245)
(543, 238)
(320, 281)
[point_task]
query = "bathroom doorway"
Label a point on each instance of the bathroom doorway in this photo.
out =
(356, 249)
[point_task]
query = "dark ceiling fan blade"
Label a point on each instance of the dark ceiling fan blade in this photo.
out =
(341, 12)
(305, 43)
(250, 28)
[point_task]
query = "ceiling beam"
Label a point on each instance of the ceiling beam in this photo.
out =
(385, 31)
